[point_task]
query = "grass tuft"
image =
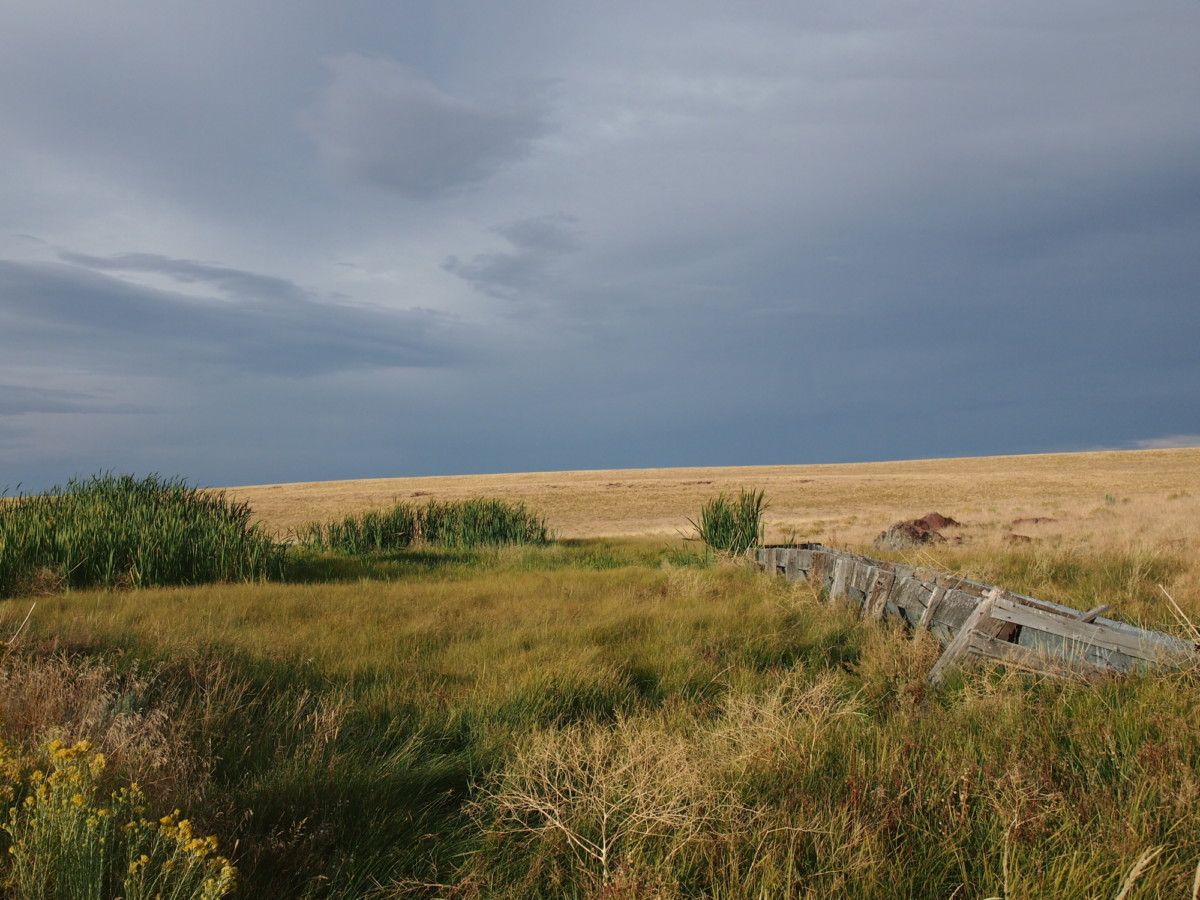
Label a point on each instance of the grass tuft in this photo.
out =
(732, 524)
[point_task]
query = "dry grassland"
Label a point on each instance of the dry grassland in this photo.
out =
(614, 718)
(1124, 495)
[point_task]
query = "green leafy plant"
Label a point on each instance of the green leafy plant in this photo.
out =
(732, 524)
(68, 841)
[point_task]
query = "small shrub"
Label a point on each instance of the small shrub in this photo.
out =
(596, 799)
(66, 841)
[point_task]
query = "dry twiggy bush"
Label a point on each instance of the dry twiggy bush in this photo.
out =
(631, 792)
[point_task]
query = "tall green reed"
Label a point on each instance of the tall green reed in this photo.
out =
(475, 522)
(732, 524)
(110, 530)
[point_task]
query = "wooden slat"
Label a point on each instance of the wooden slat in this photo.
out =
(1018, 657)
(864, 574)
(914, 598)
(1024, 632)
(818, 575)
(1095, 612)
(1085, 633)
(841, 567)
(1052, 645)
(879, 593)
(955, 608)
(1159, 638)
(935, 600)
(995, 627)
(962, 640)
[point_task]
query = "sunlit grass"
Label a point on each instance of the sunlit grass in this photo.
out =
(464, 524)
(625, 718)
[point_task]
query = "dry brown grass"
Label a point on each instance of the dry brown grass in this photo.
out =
(125, 716)
(850, 503)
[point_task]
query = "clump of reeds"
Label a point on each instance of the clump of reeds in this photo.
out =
(375, 530)
(480, 521)
(732, 524)
(113, 531)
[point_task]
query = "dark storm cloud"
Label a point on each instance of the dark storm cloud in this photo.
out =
(382, 124)
(780, 233)
(79, 316)
(537, 243)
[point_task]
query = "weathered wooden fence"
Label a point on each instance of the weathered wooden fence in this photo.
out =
(978, 620)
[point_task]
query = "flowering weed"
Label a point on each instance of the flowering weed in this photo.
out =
(69, 842)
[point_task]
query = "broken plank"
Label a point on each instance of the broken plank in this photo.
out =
(877, 596)
(1095, 612)
(935, 600)
(955, 649)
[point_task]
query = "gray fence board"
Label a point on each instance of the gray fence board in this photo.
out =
(1023, 632)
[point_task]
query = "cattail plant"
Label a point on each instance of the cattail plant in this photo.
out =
(111, 531)
(453, 523)
(732, 524)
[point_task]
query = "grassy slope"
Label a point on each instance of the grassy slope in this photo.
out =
(597, 719)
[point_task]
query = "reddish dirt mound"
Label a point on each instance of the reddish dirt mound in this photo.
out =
(924, 530)
(936, 522)
(1018, 539)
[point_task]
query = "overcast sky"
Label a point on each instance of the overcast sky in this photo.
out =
(251, 241)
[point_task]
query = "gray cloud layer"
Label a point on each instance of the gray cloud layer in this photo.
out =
(382, 124)
(769, 234)
(523, 271)
(272, 326)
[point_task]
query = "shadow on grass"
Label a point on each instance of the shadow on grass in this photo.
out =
(597, 554)
(307, 567)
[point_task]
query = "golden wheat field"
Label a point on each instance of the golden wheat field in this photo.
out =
(1143, 494)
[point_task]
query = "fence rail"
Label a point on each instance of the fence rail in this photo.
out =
(971, 619)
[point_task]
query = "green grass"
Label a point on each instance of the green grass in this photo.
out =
(592, 719)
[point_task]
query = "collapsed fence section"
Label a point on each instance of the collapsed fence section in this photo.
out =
(971, 619)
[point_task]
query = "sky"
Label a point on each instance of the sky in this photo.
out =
(263, 241)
